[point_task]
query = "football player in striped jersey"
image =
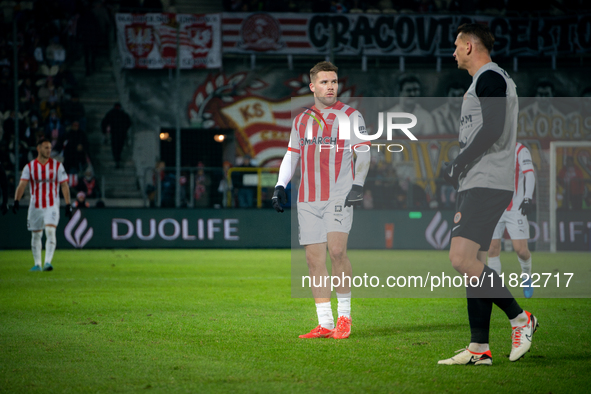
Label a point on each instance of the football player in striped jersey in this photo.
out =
(331, 183)
(515, 220)
(45, 177)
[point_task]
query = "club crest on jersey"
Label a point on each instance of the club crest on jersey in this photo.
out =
(338, 208)
(457, 217)
(311, 114)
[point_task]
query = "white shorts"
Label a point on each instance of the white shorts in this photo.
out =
(316, 219)
(38, 218)
(517, 226)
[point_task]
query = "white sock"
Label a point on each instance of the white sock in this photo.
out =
(525, 265)
(36, 246)
(49, 243)
(495, 264)
(324, 312)
(478, 347)
(344, 304)
(520, 320)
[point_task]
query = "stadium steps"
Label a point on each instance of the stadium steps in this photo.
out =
(109, 202)
(119, 202)
(98, 93)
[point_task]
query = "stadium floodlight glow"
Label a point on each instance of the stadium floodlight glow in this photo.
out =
(164, 136)
(219, 137)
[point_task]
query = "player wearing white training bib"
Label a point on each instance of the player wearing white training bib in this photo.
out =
(331, 182)
(483, 173)
(515, 218)
(45, 177)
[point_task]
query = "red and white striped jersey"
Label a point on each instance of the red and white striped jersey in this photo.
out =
(44, 181)
(326, 166)
(523, 164)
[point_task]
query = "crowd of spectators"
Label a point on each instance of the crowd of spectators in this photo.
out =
(506, 7)
(139, 6)
(51, 35)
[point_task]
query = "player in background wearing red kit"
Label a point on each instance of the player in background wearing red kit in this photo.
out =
(331, 183)
(44, 174)
(515, 219)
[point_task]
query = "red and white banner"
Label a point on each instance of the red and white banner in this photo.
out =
(262, 32)
(398, 34)
(150, 40)
(259, 113)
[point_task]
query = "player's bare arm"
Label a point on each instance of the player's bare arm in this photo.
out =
(18, 194)
(66, 193)
(20, 190)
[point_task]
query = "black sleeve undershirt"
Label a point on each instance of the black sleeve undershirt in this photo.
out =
(490, 85)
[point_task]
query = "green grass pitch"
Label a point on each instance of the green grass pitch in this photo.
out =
(224, 321)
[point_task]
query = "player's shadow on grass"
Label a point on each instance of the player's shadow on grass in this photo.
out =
(388, 331)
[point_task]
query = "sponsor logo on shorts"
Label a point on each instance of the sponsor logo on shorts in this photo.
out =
(340, 221)
(457, 217)
(338, 208)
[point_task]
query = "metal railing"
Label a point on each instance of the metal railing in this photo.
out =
(260, 181)
(217, 188)
(161, 192)
(220, 189)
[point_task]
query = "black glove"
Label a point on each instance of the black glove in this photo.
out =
(3, 207)
(15, 206)
(526, 206)
(279, 197)
(68, 210)
(452, 172)
(355, 196)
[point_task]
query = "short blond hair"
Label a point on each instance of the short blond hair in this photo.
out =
(320, 67)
